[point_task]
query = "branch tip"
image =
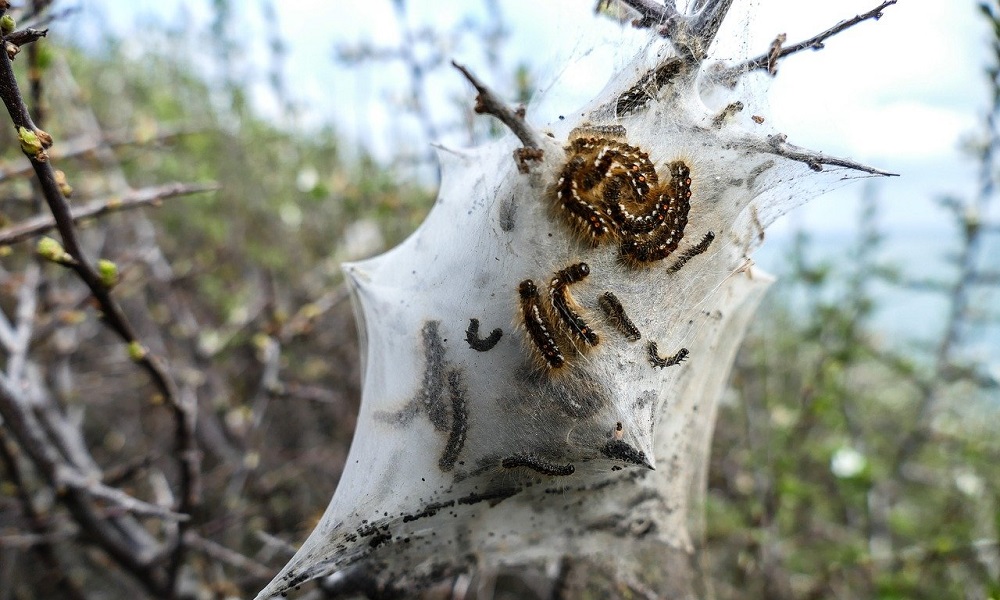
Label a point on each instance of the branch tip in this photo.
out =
(778, 50)
(487, 102)
(778, 145)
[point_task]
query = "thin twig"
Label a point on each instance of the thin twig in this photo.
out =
(779, 146)
(112, 312)
(136, 199)
(225, 555)
(26, 36)
(107, 533)
(67, 476)
(487, 102)
(86, 145)
(816, 43)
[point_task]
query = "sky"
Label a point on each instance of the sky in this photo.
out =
(901, 94)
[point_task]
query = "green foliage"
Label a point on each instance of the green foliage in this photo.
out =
(827, 479)
(287, 195)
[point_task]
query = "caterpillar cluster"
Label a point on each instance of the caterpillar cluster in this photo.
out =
(610, 191)
(556, 321)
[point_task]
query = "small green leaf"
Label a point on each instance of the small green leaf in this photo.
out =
(136, 351)
(108, 271)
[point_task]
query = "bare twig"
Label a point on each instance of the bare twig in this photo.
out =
(487, 102)
(779, 146)
(44, 534)
(68, 477)
(26, 36)
(136, 199)
(691, 34)
(227, 556)
(770, 58)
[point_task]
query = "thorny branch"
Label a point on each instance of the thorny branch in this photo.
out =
(769, 59)
(779, 146)
(488, 102)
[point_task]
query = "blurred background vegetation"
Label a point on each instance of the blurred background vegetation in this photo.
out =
(845, 464)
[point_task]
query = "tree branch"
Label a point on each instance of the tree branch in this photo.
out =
(705, 23)
(779, 146)
(34, 142)
(136, 199)
(487, 102)
(770, 58)
(691, 34)
(26, 36)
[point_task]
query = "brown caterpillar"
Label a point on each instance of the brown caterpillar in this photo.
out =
(585, 216)
(663, 240)
(536, 322)
(566, 309)
(700, 248)
(657, 361)
(615, 313)
(610, 190)
(536, 464)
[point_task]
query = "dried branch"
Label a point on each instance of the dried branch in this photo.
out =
(225, 555)
(487, 102)
(136, 199)
(653, 12)
(69, 477)
(705, 24)
(691, 34)
(779, 146)
(112, 535)
(42, 529)
(767, 60)
(26, 36)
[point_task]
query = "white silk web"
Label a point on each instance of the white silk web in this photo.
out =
(472, 450)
